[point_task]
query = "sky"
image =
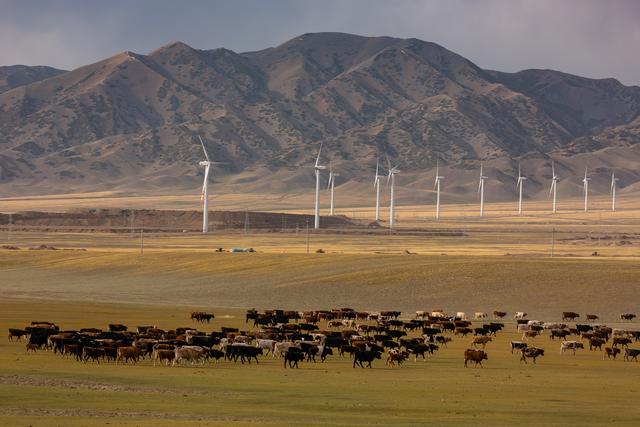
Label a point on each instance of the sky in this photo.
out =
(592, 38)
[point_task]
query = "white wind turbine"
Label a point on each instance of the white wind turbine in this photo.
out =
(437, 186)
(519, 185)
(318, 167)
(554, 185)
(205, 188)
(392, 179)
(331, 184)
(376, 184)
(481, 190)
(585, 185)
(613, 191)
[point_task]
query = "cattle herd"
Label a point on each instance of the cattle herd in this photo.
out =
(313, 336)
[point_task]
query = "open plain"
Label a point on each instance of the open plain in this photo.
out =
(499, 263)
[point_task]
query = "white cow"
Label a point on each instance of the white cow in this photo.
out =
(520, 315)
(480, 315)
(461, 315)
(266, 345)
(570, 345)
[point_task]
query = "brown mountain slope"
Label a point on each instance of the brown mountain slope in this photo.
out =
(128, 123)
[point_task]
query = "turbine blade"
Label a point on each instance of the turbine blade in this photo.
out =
(204, 149)
(318, 158)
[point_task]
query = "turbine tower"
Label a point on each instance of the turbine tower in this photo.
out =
(554, 185)
(519, 185)
(318, 167)
(331, 184)
(481, 190)
(585, 184)
(205, 188)
(392, 179)
(376, 184)
(437, 186)
(613, 191)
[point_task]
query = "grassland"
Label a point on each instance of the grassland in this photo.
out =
(43, 389)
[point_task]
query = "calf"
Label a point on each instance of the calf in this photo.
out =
(396, 356)
(531, 353)
(365, 356)
(475, 356)
(610, 352)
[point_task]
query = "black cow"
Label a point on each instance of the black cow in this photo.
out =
(293, 356)
(367, 356)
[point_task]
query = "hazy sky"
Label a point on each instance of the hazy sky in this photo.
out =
(594, 38)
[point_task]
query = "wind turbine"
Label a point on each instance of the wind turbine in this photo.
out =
(376, 184)
(392, 179)
(331, 184)
(437, 186)
(205, 188)
(613, 191)
(318, 167)
(481, 190)
(585, 185)
(519, 185)
(554, 185)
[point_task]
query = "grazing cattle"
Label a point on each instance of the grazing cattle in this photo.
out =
(570, 345)
(117, 327)
(475, 356)
(497, 315)
(161, 356)
(518, 345)
(530, 334)
(190, 354)
(559, 333)
(627, 316)
(623, 341)
(531, 353)
(596, 343)
(462, 331)
(592, 317)
(293, 356)
(16, 333)
(610, 352)
(127, 353)
(520, 315)
(480, 341)
(93, 353)
(366, 356)
(631, 354)
(480, 315)
(569, 315)
(480, 331)
(396, 356)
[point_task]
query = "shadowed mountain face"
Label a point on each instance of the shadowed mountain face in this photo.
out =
(129, 122)
(19, 75)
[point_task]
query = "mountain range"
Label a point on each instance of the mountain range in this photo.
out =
(130, 123)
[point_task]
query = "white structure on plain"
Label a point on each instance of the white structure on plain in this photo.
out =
(318, 167)
(554, 185)
(481, 189)
(331, 185)
(585, 186)
(613, 191)
(519, 186)
(391, 178)
(437, 187)
(376, 184)
(205, 188)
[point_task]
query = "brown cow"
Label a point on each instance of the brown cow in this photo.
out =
(622, 341)
(592, 317)
(569, 315)
(596, 343)
(161, 356)
(476, 356)
(499, 314)
(16, 333)
(127, 353)
(480, 340)
(396, 356)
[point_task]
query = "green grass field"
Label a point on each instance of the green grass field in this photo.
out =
(43, 389)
